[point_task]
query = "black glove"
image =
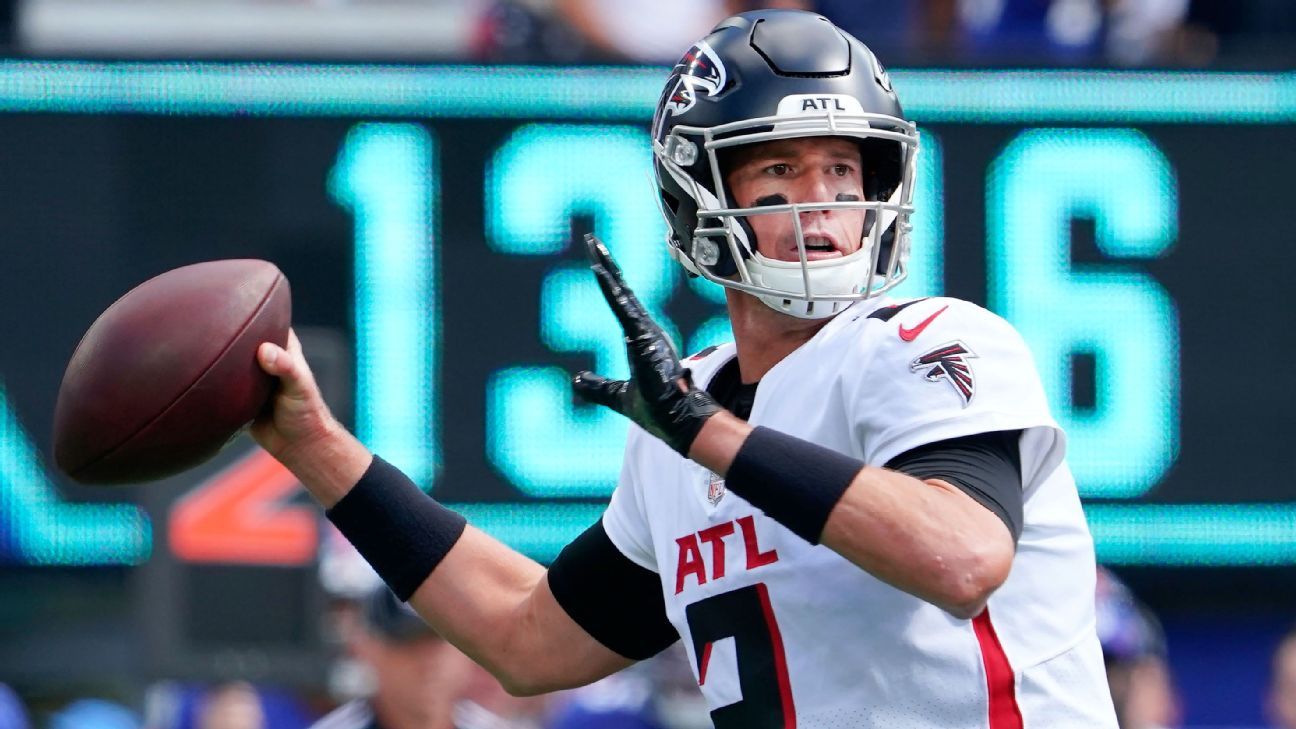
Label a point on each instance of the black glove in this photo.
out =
(659, 396)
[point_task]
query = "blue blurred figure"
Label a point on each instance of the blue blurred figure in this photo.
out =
(94, 714)
(230, 705)
(1134, 650)
(660, 693)
(12, 713)
(1082, 32)
(1280, 703)
(1069, 31)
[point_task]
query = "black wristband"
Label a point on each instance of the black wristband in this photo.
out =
(400, 531)
(795, 482)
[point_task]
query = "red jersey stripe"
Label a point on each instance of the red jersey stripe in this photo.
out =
(1000, 682)
(706, 661)
(780, 661)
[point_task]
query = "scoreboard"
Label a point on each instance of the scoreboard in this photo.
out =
(1135, 227)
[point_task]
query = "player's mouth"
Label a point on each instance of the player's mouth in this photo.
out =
(819, 246)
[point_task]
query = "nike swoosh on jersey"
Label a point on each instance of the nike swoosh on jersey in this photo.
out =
(909, 335)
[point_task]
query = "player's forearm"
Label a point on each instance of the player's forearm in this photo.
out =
(473, 590)
(926, 538)
(494, 604)
(477, 598)
(490, 601)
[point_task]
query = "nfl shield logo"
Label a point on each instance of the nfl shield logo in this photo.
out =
(715, 490)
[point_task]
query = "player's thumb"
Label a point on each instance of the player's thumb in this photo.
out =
(272, 358)
(279, 362)
(599, 390)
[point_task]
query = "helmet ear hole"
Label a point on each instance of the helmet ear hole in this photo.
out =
(882, 167)
(671, 202)
(887, 253)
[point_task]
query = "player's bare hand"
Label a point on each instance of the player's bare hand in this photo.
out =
(297, 413)
(659, 396)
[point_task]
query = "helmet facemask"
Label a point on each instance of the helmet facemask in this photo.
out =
(723, 248)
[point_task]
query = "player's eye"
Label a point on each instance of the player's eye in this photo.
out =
(841, 170)
(780, 169)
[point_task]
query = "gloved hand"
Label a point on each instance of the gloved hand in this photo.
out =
(659, 396)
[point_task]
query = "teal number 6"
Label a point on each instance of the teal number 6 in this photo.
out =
(1121, 317)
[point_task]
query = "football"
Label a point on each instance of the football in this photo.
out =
(168, 374)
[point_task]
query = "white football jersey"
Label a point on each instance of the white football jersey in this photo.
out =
(785, 634)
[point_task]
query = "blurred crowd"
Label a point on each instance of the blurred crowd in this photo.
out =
(392, 671)
(902, 32)
(1101, 33)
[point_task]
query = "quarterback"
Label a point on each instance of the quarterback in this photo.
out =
(858, 514)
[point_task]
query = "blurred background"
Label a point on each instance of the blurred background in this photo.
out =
(1113, 176)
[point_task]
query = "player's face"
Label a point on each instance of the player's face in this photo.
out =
(805, 170)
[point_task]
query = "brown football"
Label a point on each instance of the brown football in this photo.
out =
(168, 374)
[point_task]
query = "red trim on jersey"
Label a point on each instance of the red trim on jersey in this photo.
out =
(780, 661)
(1000, 682)
(706, 661)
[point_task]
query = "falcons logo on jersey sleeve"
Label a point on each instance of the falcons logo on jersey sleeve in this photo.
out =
(949, 362)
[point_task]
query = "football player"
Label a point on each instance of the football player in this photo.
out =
(858, 514)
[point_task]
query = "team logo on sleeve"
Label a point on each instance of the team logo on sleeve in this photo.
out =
(949, 362)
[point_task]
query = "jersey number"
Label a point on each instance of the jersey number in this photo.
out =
(746, 616)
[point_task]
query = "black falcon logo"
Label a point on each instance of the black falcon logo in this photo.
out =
(949, 362)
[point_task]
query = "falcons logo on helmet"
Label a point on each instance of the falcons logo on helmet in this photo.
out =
(949, 362)
(699, 70)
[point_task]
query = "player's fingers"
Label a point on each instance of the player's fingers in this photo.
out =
(294, 344)
(271, 357)
(625, 305)
(289, 365)
(605, 271)
(599, 254)
(685, 380)
(599, 390)
(298, 370)
(274, 359)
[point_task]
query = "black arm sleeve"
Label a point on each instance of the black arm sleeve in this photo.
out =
(616, 601)
(986, 466)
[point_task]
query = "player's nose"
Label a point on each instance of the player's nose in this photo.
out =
(815, 188)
